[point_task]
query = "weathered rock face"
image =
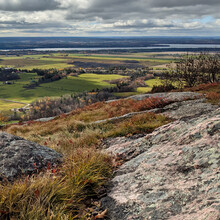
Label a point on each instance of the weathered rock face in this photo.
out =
(19, 156)
(172, 173)
(171, 96)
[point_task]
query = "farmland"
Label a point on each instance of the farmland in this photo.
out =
(16, 92)
(61, 60)
(73, 84)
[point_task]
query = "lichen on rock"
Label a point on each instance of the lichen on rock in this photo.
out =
(172, 173)
(21, 157)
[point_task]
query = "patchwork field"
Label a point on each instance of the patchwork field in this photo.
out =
(72, 84)
(60, 60)
(34, 61)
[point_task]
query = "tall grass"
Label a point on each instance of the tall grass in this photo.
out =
(57, 194)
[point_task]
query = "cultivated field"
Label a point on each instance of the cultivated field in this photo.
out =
(69, 85)
(72, 84)
(61, 60)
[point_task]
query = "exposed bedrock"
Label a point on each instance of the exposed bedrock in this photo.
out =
(172, 173)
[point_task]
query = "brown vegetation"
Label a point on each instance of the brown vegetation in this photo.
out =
(212, 91)
(68, 191)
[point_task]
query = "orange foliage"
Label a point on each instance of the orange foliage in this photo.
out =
(118, 108)
(205, 87)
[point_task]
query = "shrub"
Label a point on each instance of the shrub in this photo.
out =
(162, 88)
(213, 97)
(3, 119)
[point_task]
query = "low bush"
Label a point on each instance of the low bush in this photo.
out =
(211, 90)
(162, 88)
(213, 97)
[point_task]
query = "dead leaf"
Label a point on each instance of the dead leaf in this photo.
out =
(101, 215)
(37, 193)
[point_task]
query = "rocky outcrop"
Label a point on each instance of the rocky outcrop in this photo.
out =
(170, 96)
(172, 173)
(177, 100)
(19, 156)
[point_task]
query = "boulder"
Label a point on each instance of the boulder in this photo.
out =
(172, 173)
(21, 157)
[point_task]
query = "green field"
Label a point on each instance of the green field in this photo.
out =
(34, 61)
(84, 82)
(150, 83)
(61, 61)
(71, 84)
(120, 57)
(5, 105)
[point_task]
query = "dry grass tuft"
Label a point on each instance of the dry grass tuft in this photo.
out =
(57, 194)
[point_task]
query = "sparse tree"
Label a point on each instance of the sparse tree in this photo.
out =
(194, 69)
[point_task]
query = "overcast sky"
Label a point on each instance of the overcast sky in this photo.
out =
(109, 18)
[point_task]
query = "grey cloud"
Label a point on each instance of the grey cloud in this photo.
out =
(28, 5)
(139, 24)
(111, 16)
(22, 25)
(176, 3)
(138, 9)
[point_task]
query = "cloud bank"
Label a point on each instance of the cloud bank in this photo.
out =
(108, 18)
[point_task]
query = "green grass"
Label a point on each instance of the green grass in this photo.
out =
(100, 78)
(153, 82)
(125, 94)
(143, 89)
(49, 66)
(34, 61)
(5, 105)
(16, 92)
(84, 82)
(150, 83)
